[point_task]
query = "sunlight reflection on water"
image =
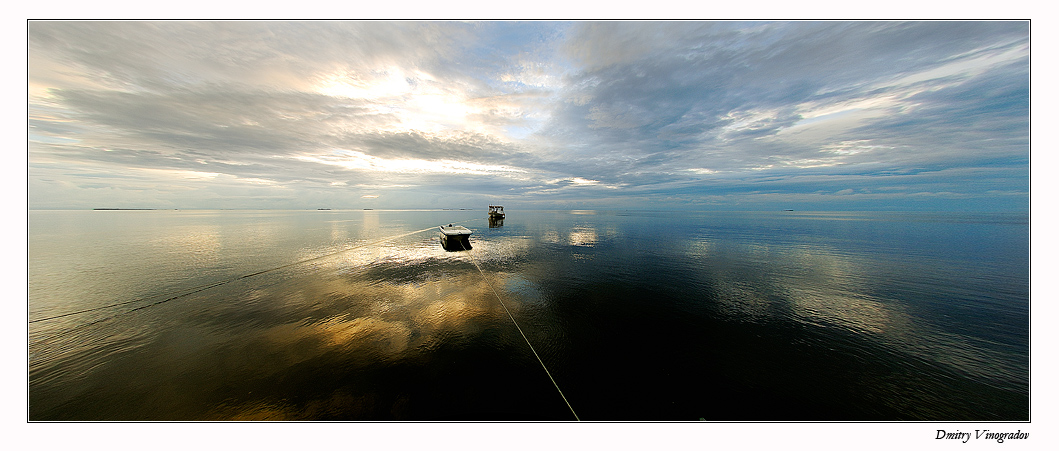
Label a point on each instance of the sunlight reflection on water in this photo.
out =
(403, 329)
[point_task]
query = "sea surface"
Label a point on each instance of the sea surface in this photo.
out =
(550, 316)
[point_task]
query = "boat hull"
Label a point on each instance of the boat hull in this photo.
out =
(455, 242)
(455, 238)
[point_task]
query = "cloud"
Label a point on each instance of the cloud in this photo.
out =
(610, 109)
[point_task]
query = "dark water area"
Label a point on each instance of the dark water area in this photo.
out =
(637, 316)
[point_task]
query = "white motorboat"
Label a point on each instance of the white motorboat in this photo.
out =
(454, 237)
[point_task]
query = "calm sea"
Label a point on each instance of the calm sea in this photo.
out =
(675, 316)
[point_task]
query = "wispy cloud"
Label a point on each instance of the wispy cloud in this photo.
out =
(538, 114)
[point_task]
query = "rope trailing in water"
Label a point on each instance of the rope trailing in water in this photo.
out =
(217, 284)
(549, 373)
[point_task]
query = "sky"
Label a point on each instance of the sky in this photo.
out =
(700, 115)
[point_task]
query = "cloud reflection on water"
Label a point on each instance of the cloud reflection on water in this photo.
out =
(355, 335)
(583, 236)
(385, 303)
(822, 287)
(355, 318)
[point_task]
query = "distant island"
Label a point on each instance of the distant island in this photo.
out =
(124, 208)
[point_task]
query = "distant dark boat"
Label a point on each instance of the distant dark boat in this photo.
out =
(323, 208)
(496, 212)
(454, 237)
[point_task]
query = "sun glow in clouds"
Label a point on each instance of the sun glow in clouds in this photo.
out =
(415, 98)
(542, 112)
(579, 182)
(180, 174)
(354, 160)
(379, 85)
